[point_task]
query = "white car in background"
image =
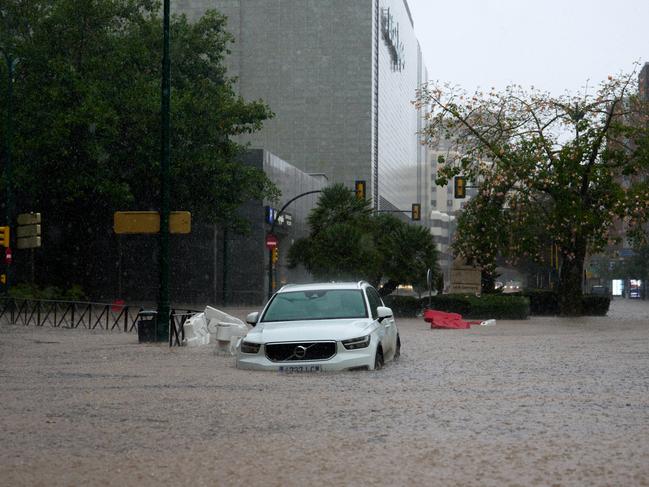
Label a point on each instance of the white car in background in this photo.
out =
(321, 327)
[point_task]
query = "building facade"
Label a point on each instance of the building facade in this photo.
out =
(340, 77)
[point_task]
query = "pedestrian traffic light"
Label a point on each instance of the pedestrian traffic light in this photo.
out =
(416, 212)
(275, 255)
(5, 236)
(359, 187)
(459, 187)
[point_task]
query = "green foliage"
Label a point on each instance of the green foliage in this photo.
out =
(595, 305)
(30, 291)
(546, 303)
(348, 241)
(482, 307)
(403, 306)
(543, 302)
(549, 170)
(340, 245)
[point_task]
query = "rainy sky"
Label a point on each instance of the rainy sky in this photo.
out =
(555, 45)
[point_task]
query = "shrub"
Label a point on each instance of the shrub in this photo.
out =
(482, 307)
(595, 305)
(546, 303)
(499, 307)
(403, 306)
(543, 302)
(31, 291)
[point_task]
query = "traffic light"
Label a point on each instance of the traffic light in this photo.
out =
(416, 212)
(459, 187)
(275, 255)
(359, 187)
(5, 236)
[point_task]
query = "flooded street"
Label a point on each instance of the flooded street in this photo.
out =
(547, 401)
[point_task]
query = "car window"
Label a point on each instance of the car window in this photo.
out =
(317, 304)
(374, 300)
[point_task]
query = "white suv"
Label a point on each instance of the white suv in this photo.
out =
(321, 327)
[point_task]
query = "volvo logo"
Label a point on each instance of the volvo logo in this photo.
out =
(299, 352)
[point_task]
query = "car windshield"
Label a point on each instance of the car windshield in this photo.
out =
(316, 304)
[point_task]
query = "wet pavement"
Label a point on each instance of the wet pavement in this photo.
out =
(545, 401)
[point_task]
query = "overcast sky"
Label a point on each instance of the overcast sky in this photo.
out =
(555, 45)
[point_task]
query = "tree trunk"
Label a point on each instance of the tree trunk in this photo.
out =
(388, 288)
(570, 282)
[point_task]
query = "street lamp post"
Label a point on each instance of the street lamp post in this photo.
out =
(272, 228)
(162, 332)
(9, 208)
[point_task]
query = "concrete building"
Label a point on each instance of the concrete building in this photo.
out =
(340, 77)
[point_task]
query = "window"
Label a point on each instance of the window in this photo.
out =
(316, 304)
(374, 300)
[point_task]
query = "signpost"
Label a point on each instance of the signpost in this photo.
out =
(271, 241)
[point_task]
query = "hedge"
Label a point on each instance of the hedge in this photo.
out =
(403, 306)
(595, 305)
(499, 306)
(546, 303)
(469, 306)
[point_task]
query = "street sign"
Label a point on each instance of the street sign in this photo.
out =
(137, 222)
(28, 231)
(28, 242)
(33, 230)
(271, 241)
(28, 218)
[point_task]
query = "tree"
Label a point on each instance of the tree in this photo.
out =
(550, 170)
(348, 241)
(87, 119)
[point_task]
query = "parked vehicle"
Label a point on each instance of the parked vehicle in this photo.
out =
(321, 327)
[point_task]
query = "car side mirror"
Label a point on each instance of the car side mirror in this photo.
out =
(252, 318)
(384, 312)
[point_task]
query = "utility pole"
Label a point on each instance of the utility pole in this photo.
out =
(9, 208)
(162, 331)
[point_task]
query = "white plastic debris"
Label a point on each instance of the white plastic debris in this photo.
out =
(196, 331)
(227, 333)
(214, 326)
(491, 322)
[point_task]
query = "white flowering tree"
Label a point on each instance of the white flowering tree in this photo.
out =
(549, 171)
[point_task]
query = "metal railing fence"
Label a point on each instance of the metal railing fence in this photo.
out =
(89, 315)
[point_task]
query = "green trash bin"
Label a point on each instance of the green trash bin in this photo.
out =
(146, 325)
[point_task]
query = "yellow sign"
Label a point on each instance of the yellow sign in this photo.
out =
(137, 222)
(5, 236)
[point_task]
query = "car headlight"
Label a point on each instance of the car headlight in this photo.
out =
(249, 347)
(354, 343)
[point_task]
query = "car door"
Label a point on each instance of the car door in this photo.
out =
(388, 330)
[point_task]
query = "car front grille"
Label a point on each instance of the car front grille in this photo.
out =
(301, 351)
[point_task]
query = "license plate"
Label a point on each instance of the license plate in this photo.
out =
(299, 369)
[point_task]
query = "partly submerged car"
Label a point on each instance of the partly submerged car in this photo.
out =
(321, 327)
